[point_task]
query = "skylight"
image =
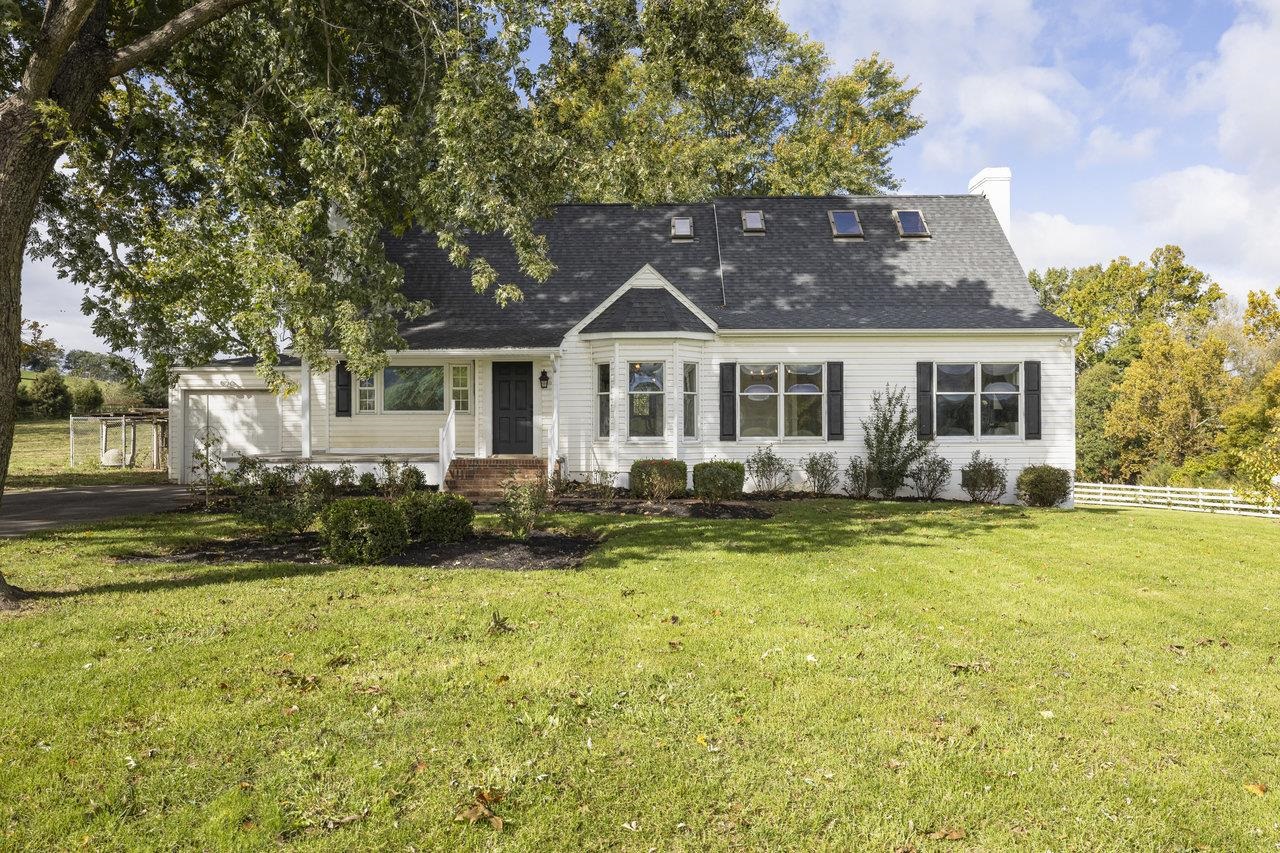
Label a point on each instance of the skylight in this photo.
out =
(753, 221)
(681, 227)
(911, 223)
(844, 223)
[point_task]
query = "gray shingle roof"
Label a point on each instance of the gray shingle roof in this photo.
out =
(793, 276)
(647, 309)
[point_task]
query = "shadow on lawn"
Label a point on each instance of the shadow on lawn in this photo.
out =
(817, 527)
(246, 573)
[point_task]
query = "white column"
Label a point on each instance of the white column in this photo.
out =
(306, 409)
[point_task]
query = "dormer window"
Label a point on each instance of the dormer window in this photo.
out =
(910, 223)
(682, 228)
(844, 223)
(753, 221)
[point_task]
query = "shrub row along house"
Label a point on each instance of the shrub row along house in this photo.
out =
(692, 332)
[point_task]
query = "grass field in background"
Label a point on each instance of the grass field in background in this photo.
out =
(40, 457)
(844, 676)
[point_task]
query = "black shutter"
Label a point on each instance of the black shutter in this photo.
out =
(728, 411)
(835, 400)
(1031, 394)
(924, 399)
(342, 401)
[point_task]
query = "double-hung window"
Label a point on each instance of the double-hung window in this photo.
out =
(644, 399)
(780, 399)
(603, 407)
(690, 411)
(986, 397)
(460, 387)
(367, 395)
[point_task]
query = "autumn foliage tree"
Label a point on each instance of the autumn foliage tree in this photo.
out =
(1170, 401)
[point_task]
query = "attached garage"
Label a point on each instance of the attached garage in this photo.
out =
(245, 422)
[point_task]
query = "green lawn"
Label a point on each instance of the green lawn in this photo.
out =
(844, 676)
(41, 458)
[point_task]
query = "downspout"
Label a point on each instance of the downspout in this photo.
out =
(724, 300)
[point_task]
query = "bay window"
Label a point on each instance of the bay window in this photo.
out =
(795, 403)
(690, 412)
(986, 396)
(603, 407)
(644, 399)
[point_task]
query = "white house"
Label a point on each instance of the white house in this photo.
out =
(691, 331)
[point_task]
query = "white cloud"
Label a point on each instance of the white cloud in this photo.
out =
(1225, 220)
(1105, 144)
(1240, 83)
(1052, 240)
(983, 86)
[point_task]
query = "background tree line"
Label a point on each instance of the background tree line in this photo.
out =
(1176, 383)
(56, 383)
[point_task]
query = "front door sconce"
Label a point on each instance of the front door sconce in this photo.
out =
(544, 380)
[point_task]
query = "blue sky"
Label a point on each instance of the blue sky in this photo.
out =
(1125, 129)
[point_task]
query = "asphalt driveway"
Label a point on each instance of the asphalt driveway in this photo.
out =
(42, 509)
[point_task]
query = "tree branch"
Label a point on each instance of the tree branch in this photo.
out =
(170, 33)
(58, 30)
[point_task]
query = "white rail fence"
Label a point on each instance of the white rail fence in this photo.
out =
(1224, 501)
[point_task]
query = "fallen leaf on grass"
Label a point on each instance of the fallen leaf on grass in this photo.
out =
(1048, 715)
(1256, 788)
(676, 645)
(498, 624)
(947, 834)
(1180, 651)
(502, 679)
(291, 710)
(332, 823)
(481, 808)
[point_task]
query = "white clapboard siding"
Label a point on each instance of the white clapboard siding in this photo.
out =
(1224, 501)
(870, 362)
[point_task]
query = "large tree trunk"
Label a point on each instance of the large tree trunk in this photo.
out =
(28, 153)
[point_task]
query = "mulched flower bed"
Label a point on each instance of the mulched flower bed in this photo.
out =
(542, 550)
(671, 509)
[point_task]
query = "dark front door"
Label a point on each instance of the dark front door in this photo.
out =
(513, 407)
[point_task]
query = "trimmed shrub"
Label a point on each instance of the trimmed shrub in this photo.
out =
(718, 480)
(658, 479)
(770, 473)
(437, 516)
(49, 395)
(1044, 485)
(821, 471)
(857, 479)
(364, 530)
(930, 476)
(893, 444)
(984, 479)
(367, 483)
(522, 506)
(345, 478)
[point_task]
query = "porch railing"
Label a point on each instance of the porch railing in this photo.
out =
(448, 444)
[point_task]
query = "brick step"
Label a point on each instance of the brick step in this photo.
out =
(522, 462)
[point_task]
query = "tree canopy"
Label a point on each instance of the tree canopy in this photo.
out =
(230, 196)
(1114, 303)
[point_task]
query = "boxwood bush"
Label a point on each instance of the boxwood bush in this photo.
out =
(718, 480)
(1044, 485)
(364, 530)
(985, 479)
(437, 516)
(658, 479)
